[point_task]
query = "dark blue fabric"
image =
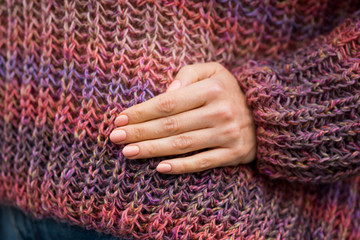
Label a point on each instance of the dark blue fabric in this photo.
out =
(15, 225)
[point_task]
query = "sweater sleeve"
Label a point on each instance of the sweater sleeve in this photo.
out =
(306, 108)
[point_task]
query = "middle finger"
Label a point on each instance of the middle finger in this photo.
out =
(162, 127)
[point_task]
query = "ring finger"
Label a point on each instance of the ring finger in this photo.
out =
(182, 143)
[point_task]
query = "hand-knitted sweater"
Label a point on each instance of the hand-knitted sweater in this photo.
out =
(67, 68)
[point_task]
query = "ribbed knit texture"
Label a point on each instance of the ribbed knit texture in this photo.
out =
(68, 68)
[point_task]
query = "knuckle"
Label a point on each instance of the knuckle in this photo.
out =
(138, 133)
(233, 131)
(204, 163)
(166, 104)
(152, 150)
(216, 88)
(239, 153)
(171, 125)
(182, 142)
(135, 115)
(226, 113)
(244, 155)
(244, 152)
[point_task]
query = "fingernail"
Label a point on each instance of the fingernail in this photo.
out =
(163, 167)
(174, 85)
(117, 135)
(130, 151)
(121, 120)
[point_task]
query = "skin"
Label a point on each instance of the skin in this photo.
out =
(203, 108)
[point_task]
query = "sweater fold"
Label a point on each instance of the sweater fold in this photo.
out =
(307, 108)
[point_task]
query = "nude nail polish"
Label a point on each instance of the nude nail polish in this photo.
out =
(163, 167)
(130, 151)
(121, 120)
(117, 135)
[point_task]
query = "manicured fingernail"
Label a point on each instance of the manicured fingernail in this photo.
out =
(130, 151)
(117, 135)
(121, 120)
(163, 167)
(174, 85)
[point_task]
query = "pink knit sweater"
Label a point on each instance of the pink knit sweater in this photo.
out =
(67, 68)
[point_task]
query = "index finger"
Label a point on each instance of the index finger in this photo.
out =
(166, 104)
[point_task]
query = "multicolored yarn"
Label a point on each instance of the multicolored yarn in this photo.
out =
(67, 68)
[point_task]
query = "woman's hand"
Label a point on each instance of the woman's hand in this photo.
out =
(203, 108)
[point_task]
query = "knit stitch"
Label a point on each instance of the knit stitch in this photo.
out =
(67, 68)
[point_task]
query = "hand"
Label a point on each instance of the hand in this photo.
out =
(203, 108)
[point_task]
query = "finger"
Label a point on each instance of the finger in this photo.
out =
(182, 143)
(162, 127)
(174, 85)
(193, 73)
(217, 157)
(165, 104)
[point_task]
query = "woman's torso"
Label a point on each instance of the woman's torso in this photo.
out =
(68, 68)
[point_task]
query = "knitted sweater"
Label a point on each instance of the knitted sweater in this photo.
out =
(67, 68)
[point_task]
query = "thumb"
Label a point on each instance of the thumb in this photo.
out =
(193, 73)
